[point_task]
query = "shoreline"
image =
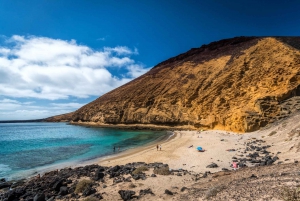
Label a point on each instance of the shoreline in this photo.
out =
(31, 173)
(135, 126)
(263, 156)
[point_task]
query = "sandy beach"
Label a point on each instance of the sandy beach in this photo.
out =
(190, 178)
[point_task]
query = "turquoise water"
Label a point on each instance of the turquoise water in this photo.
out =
(27, 148)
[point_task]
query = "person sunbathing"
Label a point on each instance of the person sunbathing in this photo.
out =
(191, 146)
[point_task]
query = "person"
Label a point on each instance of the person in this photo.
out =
(118, 148)
(235, 165)
(160, 147)
(190, 146)
(156, 147)
(114, 148)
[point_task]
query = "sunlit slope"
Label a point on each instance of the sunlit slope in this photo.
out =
(238, 84)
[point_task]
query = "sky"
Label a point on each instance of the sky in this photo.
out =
(58, 55)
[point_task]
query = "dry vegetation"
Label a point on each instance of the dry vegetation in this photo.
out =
(81, 186)
(162, 171)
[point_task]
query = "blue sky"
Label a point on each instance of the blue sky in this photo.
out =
(56, 56)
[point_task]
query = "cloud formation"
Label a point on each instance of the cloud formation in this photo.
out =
(46, 68)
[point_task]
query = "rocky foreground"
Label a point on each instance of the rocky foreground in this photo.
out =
(261, 176)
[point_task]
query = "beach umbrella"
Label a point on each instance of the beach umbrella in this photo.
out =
(199, 148)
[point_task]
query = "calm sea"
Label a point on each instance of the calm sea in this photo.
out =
(28, 148)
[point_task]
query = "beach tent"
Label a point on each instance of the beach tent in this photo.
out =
(199, 148)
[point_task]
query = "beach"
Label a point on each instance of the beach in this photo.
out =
(267, 158)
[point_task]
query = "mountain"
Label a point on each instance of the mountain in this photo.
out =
(239, 84)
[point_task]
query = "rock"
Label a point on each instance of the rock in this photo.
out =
(104, 186)
(168, 192)
(2, 180)
(51, 199)
(153, 175)
(225, 169)
(57, 185)
(146, 191)
(183, 189)
(63, 190)
(116, 168)
(39, 197)
(89, 191)
(269, 162)
(99, 175)
(263, 163)
(213, 165)
(5, 185)
(126, 194)
(136, 177)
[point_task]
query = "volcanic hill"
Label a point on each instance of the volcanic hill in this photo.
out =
(238, 84)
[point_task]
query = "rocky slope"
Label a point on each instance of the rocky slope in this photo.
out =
(238, 84)
(60, 118)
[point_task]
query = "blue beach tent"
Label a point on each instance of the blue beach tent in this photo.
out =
(199, 148)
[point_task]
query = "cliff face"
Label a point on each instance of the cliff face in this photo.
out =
(238, 84)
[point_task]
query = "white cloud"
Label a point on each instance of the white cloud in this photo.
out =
(45, 68)
(16, 110)
(38, 68)
(71, 105)
(135, 70)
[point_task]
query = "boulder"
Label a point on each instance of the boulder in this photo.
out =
(39, 197)
(63, 190)
(126, 194)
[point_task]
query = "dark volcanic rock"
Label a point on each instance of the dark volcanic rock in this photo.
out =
(213, 165)
(39, 197)
(168, 192)
(89, 191)
(63, 190)
(146, 191)
(57, 185)
(126, 194)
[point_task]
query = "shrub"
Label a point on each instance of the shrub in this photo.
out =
(272, 133)
(81, 186)
(162, 171)
(290, 194)
(91, 199)
(140, 170)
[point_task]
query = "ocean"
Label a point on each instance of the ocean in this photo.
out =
(29, 148)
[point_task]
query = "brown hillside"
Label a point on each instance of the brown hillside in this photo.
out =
(238, 84)
(60, 118)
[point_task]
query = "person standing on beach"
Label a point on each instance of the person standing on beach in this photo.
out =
(156, 147)
(160, 147)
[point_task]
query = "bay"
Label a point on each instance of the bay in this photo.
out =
(27, 148)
